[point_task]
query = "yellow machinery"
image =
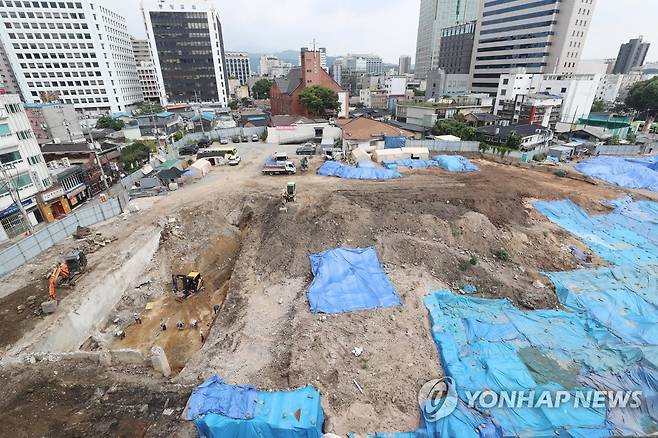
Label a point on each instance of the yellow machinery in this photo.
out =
(188, 284)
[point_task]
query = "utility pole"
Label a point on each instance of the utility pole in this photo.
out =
(16, 197)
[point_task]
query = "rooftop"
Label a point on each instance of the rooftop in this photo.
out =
(289, 83)
(505, 131)
(363, 128)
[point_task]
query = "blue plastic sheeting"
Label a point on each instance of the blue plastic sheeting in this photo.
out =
(333, 168)
(455, 163)
(293, 414)
(215, 396)
(417, 164)
(394, 142)
(490, 344)
(346, 280)
(632, 173)
(627, 236)
(391, 165)
(366, 163)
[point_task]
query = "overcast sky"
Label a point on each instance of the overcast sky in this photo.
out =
(383, 27)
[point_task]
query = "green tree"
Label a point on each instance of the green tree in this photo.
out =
(643, 97)
(598, 106)
(134, 155)
(514, 140)
(178, 135)
(318, 100)
(148, 108)
(107, 122)
(261, 89)
(453, 127)
(234, 104)
(613, 140)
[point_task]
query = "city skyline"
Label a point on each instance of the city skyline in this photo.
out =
(609, 28)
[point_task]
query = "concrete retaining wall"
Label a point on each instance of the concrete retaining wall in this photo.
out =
(71, 330)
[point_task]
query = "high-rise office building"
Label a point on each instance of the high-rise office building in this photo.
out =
(238, 66)
(373, 63)
(186, 43)
(141, 50)
(434, 16)
(75, 52)
(631, 54)
(541, 37)
(457, 48)
(404, 65)
(148, 74)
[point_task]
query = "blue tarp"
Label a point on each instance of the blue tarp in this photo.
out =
(605, 338)
(333, 168)
(346, 280)
(215, 396)
(417, 164)
(633, 173)
(292, 414)
(394, 142)
(455, 163)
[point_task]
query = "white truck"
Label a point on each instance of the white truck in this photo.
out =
(279, 165)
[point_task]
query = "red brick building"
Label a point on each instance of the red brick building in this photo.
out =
(284, 96)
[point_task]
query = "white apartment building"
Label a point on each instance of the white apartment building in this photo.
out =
(238, 66)
(273, 67)
(146, 71)
(544, 36)
(76, 52)
(185, 37)
(609, 87)
(23, 167)
(577, 91)
(395, 85)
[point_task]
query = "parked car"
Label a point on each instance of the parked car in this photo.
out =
(234, 160)
(255, 137)
(223, 140)
(236, 139)
(190, 149)
(204, 143)
(245, 138)
(306, 149)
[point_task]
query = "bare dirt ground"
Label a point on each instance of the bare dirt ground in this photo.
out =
(74, 400)
(431, 230)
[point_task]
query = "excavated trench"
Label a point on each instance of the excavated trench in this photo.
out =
(213, 255)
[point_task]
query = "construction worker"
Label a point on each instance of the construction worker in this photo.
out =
(138, 319)
(180, 325)
(215, 308)
(203, 337)
(194, 323)
(163, 325)
(120, 334)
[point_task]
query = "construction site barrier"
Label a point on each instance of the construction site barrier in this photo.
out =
(18, 254)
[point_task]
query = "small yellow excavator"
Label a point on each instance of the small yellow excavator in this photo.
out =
(66, 273)
(188, 284)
